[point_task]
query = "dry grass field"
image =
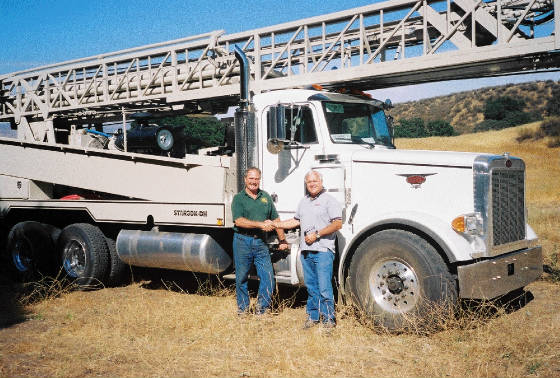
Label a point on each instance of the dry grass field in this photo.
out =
(163, 326)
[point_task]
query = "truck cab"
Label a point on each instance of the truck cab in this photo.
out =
(418, 226)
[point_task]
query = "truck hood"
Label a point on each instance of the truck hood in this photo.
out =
(417, 157)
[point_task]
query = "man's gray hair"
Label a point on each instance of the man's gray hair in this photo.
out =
(314, 172)
(252, 169)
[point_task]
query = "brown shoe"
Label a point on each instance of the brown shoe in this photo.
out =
(310, 323)
(329, 325)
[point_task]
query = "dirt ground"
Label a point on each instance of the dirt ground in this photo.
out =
(153, 328)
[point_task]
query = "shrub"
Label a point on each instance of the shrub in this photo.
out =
(440, 128)
(490, 124)
(499, 107)
(553, 104)
(525, 134)
(551, 127)
(554, 143)
(518, 117)
(411, 128)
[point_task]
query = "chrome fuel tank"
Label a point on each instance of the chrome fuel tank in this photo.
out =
(169, 250)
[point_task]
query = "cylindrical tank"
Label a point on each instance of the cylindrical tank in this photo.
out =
(171, 250)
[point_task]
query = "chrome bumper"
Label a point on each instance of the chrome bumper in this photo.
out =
(491, 278)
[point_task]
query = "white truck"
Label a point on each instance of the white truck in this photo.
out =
(418, 226)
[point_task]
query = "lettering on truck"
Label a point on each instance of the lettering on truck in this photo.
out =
(190, 213)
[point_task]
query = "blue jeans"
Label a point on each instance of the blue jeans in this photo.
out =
(246, 252)
(317, 273)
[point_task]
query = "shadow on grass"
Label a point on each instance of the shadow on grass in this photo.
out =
(212, 285)
(11, 310)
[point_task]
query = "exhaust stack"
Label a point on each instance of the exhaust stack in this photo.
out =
(246, 147)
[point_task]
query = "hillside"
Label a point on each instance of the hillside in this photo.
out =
(465, 109)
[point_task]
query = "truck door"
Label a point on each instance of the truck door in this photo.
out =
(283, 172)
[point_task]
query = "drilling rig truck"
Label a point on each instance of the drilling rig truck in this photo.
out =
(418, 226)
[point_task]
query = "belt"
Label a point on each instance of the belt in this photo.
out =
(253, 234)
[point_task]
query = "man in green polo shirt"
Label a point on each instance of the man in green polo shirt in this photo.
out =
(253, 214)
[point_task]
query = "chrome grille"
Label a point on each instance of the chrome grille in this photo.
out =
(508, 206)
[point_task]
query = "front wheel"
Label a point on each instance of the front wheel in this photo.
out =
(84, 254)
(396, 276)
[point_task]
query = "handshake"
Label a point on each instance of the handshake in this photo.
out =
(269, 225)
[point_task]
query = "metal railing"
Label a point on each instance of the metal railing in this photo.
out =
(375, 46)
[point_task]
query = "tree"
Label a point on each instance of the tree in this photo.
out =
(499, 107)
(440, 128)
(505, 111)
(411, 128)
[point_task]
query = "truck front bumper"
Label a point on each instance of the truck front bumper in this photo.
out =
(498, 276)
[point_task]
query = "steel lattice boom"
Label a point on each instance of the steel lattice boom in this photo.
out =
(384, 44)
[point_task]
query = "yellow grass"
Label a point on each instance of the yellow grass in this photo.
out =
(139, 332)
(152, 328)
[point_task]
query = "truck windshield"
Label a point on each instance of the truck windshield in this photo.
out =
(357, 123)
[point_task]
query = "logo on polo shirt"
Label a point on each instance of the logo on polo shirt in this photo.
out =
(264, 200)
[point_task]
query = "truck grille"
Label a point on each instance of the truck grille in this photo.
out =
(508, 206)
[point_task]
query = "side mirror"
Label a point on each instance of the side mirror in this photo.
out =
(276, 128)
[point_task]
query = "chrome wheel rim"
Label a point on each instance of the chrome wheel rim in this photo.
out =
(394, 286)
(74, 259)
(22, 256)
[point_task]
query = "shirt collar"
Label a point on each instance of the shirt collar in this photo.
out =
(317, 196)
(259, 193)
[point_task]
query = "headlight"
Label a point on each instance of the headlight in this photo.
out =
(468, 224)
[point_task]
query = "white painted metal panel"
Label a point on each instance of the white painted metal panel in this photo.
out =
(162, 213)
(196, 179)
(13, 187)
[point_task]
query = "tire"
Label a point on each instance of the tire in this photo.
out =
(396, 277)
(164, 139)
(117, 267)
(84, 255)
(30, 250)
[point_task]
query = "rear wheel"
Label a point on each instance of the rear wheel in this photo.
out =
(84, 254)
(117, 267)
(396, 277)
(30, 250)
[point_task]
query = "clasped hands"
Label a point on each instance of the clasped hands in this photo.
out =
(269, 225)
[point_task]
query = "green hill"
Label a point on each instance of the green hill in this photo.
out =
(464, 110)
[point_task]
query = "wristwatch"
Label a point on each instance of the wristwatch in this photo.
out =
(317, 235)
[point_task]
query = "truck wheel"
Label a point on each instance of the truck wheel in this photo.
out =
(396, 276)
(30, 250)
(117, 267)
(84, 254)
(164, 139)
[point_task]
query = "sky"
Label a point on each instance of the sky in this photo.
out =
(40, 32)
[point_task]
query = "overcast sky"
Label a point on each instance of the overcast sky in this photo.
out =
(40, 32)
